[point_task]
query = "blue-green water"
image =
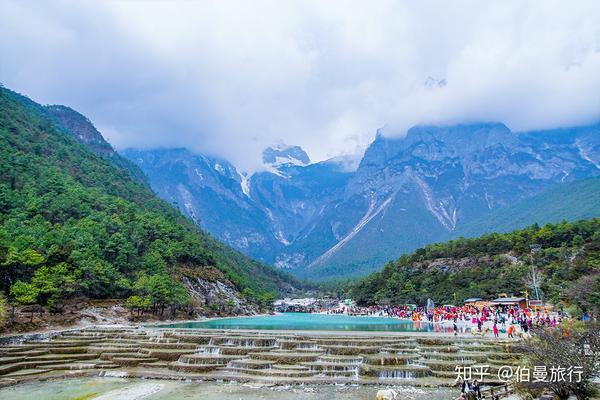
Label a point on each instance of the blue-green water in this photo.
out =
(313, 322)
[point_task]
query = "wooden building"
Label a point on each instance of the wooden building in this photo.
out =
(477, 302)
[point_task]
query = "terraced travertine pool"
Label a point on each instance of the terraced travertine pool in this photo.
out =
(315, 322)
(254, 357)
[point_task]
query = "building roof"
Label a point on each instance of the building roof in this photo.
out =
(296, 302)
(509, 300)
(473, 299)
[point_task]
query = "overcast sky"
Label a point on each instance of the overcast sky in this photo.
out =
(230, 78)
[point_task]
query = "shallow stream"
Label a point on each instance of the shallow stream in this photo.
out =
(136, 389)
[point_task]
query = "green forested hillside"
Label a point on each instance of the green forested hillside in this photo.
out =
(76, 125)
(571, 201)
(566, 257)
(74, 224)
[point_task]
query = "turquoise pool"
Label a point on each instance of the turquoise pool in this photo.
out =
(313, 322)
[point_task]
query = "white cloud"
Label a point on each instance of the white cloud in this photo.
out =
(231, 77)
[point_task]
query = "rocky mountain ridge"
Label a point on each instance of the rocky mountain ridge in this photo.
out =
(321, 220)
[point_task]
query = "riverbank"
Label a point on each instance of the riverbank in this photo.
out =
(475, 324)
(87, 314)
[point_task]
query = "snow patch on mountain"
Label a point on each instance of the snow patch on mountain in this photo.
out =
(279, 236)
(188, 199)
(245, 183)
(285, 155)
(219, 168)
(371, 213)
(439, 209)
(585, 153)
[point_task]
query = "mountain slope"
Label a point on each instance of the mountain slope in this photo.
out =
(436, 179)
(295, 199)
(71, 122)
(565, 258)
(261, 215)
(278, 155)
(572, 201)
(323, 221)
(211, 193)
(74, 224)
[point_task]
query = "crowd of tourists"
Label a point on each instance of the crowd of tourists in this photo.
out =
(508, 320)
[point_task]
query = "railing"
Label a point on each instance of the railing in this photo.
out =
(496, 392)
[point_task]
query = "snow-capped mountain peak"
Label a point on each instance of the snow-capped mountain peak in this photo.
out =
(285, 155)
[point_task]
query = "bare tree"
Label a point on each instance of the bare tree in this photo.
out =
(534, 280)
(569, 347)
(584, 292)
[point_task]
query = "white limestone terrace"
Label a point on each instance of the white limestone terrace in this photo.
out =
(261, 357)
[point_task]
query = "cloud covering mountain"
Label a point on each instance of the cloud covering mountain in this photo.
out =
(229, 78)
(324, 221)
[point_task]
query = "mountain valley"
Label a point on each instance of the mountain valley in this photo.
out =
(325, 221)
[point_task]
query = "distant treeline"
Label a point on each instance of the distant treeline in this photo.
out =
(564, 260)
